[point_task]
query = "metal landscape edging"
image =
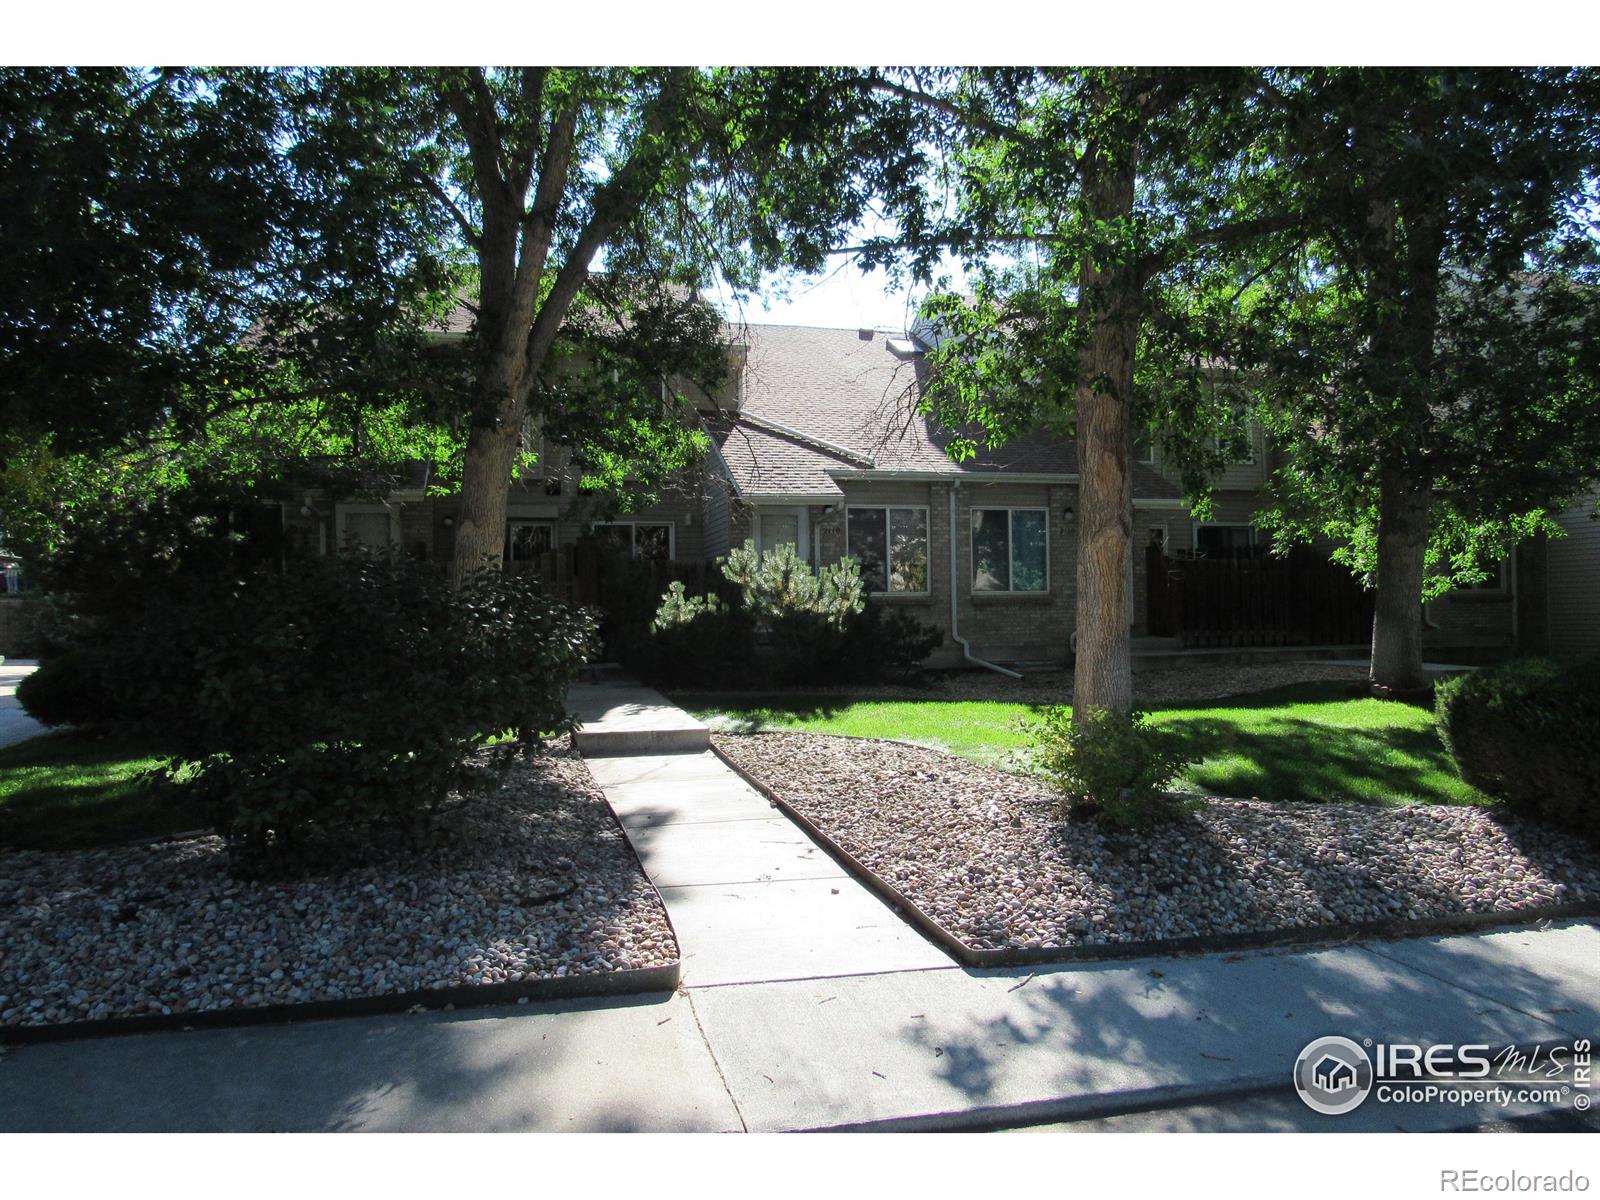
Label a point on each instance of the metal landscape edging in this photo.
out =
(460, 996)
(1025, 956)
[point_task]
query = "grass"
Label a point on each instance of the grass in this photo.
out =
(68, 789)
(1303, 742)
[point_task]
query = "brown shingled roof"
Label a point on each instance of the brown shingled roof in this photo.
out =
(844, 387)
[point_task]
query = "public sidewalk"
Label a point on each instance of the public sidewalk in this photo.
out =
(15, 724)
(941, 1048)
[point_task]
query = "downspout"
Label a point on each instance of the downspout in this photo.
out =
(955, 620)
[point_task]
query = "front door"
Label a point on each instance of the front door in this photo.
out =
(782, 526)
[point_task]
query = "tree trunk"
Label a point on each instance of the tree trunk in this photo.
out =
(486, 468)
(481, 519)
(1109, 299)
(1403, 507)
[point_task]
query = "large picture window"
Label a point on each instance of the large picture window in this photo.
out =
(637, 539)
(891, 544)
(1010, 550)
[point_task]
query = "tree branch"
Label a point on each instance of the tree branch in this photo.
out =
(468, 230)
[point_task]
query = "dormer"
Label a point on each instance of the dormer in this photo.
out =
(728, 396)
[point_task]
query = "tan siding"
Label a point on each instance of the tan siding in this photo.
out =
(1574, 574)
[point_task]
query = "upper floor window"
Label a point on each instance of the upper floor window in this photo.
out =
(891, 544)
(1240, 450)
(1224, 541)
(1010, 550)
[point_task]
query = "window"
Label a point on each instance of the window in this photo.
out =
(1158, 536)
(1010, 550)
(1224, 541)
(528, 540)
(530, 444)
(891, 544)
(368, 525)
(652, 540)
(1496, 582)
(1247, 446)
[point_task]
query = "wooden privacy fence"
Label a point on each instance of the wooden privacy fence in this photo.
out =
(1302, 599)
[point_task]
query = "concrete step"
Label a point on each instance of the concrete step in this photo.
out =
(618, 718)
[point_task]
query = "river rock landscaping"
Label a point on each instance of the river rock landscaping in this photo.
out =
(533, 879)
(987, 855)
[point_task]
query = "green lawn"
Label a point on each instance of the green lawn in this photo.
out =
(67, 789)
(1306, 742)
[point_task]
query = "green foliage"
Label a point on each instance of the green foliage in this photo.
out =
(1524, 732)
(1435, 320)
(791, 625)
(693, 641)
(67, 689)
(1111, 767)
(778, 585)
(308, 708)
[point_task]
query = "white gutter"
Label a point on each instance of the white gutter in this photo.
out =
(955, 620)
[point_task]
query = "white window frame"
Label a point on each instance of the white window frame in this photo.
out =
(1166, 535)
(341, 511)
(1011, 550)
(1195, 529)
(633, 535)
(888, 542)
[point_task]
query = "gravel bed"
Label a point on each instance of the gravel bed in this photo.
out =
(532, 880)
(986, 855)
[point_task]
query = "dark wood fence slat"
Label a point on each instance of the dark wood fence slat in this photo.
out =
(1256, 600)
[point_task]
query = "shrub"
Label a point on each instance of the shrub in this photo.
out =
(811, 627)
(693, 640)
(310, 707)
(1524, 733)
(1112, 767)
(67, 689)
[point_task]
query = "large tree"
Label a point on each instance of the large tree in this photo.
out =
(136, 211)
(1088, 204)
(666, 177)
(1428, 354)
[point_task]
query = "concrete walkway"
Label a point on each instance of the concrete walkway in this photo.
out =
(15, 724)
(753, 899)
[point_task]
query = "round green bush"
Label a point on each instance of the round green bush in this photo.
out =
(1527, 733)
(67, 689)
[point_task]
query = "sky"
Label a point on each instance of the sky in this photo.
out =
(842, 298)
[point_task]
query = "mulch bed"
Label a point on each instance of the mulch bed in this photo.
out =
(532, 880)
(987, 855)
